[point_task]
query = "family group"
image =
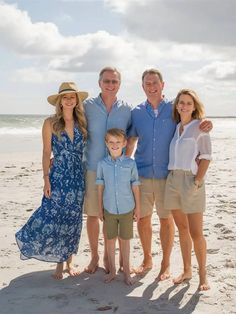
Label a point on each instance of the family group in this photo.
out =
(116, 163)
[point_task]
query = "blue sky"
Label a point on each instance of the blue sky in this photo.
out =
(43, 43)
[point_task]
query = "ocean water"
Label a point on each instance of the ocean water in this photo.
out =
(22, 133)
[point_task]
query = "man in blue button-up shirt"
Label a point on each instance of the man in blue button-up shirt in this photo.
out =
(103, 112)
(153, 126)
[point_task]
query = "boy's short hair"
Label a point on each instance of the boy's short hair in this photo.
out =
(115, 132)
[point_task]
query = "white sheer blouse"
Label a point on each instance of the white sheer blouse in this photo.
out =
(186, 147)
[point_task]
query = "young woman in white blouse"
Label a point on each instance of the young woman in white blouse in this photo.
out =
(189, 158)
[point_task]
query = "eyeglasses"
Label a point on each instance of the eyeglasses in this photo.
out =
(113, 82)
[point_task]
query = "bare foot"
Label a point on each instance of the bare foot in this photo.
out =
(203, 287)
(187, 275)
(203, 284)
(131, 271)
(164, 273)
(109, 277)
(143, 268)
(128, 280)
(71, 271)
(92, 266)
(121, 268)
(58, 272)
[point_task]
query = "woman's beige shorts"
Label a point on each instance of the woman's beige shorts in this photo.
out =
(182, 193)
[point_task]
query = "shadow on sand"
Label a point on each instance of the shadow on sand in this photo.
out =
(38, 293)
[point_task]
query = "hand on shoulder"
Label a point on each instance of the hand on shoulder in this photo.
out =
(206, 126)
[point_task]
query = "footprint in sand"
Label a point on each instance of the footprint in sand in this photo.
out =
(212, 251)
(219, 225)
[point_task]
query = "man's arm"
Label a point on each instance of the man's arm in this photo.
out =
(100, 202)
(131, 146)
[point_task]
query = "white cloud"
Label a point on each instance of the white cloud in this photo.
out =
(102, 49)
(72, 53)
(158, 34)
(211, 22)
(33, 75)
(219, 71)
(19, 33)
(120, 6)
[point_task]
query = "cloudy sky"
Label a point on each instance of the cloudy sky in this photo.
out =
(43, 43)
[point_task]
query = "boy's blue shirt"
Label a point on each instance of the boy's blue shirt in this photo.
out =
(117, 176)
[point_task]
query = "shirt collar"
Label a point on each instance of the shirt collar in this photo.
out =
(159, 108)
(121, 158)
(186, 126)
(101, 103)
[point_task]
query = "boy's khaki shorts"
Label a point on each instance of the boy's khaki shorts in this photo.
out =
(152, 195)
(182, 193)
(91, 194)
(119, 225)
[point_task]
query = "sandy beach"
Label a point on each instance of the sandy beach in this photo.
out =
(27, 287)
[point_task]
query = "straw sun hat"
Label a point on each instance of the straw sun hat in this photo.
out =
(66, 88)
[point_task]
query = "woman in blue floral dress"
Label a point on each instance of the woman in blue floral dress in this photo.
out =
(53, 232)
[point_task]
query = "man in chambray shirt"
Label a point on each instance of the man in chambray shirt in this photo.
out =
(153, 126)
(102, 112)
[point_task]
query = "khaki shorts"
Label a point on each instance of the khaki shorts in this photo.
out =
(91, 194)
(152, 194)
(119, 225)
(182, 193)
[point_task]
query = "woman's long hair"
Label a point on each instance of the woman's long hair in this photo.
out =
(58, 122)
(198, 113)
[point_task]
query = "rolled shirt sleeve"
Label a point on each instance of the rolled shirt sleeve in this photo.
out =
(134, 175)
(204, 145)
(100, 177)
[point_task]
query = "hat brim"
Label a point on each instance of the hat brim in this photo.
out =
(53, 98)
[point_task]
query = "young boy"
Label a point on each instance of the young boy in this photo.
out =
(118, 199)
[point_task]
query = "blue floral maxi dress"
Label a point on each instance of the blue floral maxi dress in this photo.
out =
(53, 232)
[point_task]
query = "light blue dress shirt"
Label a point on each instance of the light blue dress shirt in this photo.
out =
(154, 132)
(117, 176)
(99, 121)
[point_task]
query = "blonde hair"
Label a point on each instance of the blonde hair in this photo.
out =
(198, 113)
(116, 133)
(58, 122)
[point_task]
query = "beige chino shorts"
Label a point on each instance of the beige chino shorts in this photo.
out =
(91, 194)
(182, 193)
(152, 195)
